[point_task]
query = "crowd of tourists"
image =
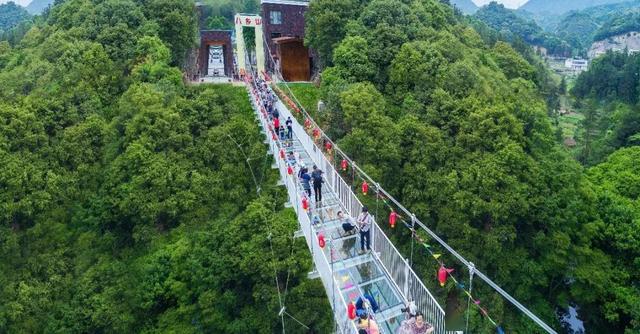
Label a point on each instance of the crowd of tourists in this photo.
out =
(366, 306)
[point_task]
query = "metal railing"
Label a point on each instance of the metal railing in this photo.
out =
(396, 268)
(424, 227)
(323, 267)
(406, 280)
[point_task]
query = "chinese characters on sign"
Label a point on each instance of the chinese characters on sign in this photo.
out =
(249, 20)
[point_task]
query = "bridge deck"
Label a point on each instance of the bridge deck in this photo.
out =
(346, 273)
(356, 274)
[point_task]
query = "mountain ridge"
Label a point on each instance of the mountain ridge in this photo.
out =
(466, 6)
(561, 7)
(36, 7)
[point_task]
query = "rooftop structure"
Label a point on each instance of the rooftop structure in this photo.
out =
(284, 33)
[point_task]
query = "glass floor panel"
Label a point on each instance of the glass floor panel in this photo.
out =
(343, 249)
(392, 325)
(361, 273)
(383, 293)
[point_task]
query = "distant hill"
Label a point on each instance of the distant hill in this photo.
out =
(626, 22)
(37, 6)
(562, 6)
(11, 15)
(577, 28)
(582, 28)
(511, 25)
(466, 6)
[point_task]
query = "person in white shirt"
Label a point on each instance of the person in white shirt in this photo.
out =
(348, 226)
(365, 220)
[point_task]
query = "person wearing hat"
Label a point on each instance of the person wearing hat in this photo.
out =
(364, 223)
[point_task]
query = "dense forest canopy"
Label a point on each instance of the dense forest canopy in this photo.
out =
(128, 205)
(507, 22)
(564, 33)
(123, 206)
(11, 15)
(582, 28)
(608, 96)
(455, 126)
(618, 25)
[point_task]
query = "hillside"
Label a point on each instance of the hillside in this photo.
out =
(511, 25)
(629, 41)
(620, 24)
(607, 92)
(37, 6)
(578, 29)
(582, 28)
(123, 208)
(129, 199)
(466, 6)
(11, 15)
(465, 120)
(556, 7)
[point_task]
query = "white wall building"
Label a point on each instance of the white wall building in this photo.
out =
(576, 65)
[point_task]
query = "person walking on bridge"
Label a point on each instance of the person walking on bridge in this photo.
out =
(276, 123)
(306, 180)
(289, 124)
(316, 175)
(365, 220)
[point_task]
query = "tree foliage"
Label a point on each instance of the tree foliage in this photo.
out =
(508, 23)
(607, 94)
(454, 124)
(11, 15)
(123, 206)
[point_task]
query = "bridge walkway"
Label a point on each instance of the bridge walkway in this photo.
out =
(346, 273)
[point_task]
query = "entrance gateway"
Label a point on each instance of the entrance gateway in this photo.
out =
(245, 20)
(215, 67)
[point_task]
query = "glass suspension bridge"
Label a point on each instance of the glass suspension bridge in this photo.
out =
(347, 274)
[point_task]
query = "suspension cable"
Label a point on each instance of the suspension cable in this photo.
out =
(482, 276)
(355, 168)
(472, 269)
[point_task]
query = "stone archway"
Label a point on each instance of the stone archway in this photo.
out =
(249, 21)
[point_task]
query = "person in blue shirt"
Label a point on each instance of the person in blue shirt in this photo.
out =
(306, 180)
(361, 304)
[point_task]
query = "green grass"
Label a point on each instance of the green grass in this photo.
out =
(308, 95)
(569, 124)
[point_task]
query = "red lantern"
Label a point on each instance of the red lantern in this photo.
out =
(321, 241)
(365, 187)
(316, 133)
(307, 123)
(305, 204)
(282, 154)
(344, 165)
(351, 311)
(442, 275)
(328, 146)
(392, 219)
(289, 170)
